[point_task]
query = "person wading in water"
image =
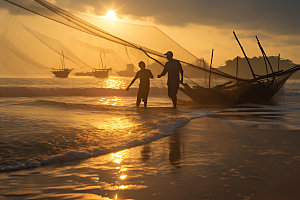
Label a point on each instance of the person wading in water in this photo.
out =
(144, 75)
(173, 68)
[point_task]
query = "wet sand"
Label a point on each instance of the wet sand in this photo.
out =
(209, 158)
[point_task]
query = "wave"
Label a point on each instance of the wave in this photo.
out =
(85, 153)
(69, 105)
(292, 93)
(87, 106)
(54, 92)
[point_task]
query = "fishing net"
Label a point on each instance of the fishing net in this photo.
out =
(50, 30)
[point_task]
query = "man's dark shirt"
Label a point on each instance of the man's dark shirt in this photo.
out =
(173, 67)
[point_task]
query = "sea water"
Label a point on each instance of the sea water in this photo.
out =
(50, 120)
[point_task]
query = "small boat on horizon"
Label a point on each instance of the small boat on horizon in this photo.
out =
(129, 72)
(61, 72)
(102, 72)
(96, 72)
(84, 73)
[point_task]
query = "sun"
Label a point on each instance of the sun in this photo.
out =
(111, 14)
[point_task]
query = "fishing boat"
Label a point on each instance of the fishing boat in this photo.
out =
(260, 89)
(84, 73)
(129, 72)
(61, 72)
(102, 72)
(97, 72)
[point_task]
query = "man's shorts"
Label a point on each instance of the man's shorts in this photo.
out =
(143, 92)
(172, 90)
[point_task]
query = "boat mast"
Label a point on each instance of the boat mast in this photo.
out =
(244, 54)
(265, 56)
(211, 59)
(237, 66)
(205, 74)
(101, 60)
(63, 61)
(266, 65)
(278, 61)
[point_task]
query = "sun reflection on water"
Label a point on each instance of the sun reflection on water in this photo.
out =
(117, 125)
(118, 161)
(121, 187)
(118, 157)
(121, 174)
(122, 177)
(123, 169)
(113, 83)
(112, 101)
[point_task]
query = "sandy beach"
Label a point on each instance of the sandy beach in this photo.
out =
(209, 158)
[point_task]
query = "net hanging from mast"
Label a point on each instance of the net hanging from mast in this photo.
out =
(195, 69)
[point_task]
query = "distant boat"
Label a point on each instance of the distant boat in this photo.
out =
(129, 72)
(61, 72)
(102, 72)
(86, 73)
(98, 73)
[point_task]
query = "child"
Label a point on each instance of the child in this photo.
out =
(144, 75)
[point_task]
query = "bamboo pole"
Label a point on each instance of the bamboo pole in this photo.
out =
(101, 60)
(211, 59)
(237, 66)
(205, 74)
(265, 56)
(278, 62)
(244, 54)
(63, 59)
(266, 66)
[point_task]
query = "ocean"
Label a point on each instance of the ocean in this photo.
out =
(46, 123)
(49, 120)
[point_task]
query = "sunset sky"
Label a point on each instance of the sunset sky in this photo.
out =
(202, 25)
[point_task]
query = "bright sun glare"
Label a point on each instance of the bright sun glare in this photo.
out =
(111, 14)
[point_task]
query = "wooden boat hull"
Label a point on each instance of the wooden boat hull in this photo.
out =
(255, 91)
(101, 73)
(84, 74)
(212, 96)
(61, 73)
(126, 74)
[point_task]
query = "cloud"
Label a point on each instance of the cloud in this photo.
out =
(276, 16)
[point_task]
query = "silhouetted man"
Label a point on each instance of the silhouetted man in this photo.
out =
(173, 67)
(144, 75)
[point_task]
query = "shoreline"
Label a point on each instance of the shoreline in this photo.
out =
(244, 162)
